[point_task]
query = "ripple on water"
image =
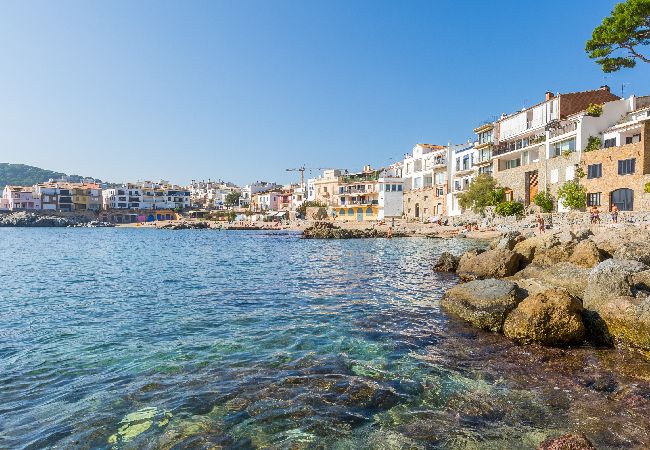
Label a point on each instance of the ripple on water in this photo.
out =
(199, 339)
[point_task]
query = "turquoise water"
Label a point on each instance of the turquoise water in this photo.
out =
(127, 338)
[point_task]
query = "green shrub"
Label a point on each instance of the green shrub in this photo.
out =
(509, 209)
(594, 110)
(572, 194)
(593, 143)
(544, 200)
(646, 187)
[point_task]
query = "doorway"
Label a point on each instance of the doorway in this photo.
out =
(532, 186)
(623, 198)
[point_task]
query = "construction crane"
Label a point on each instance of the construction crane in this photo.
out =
(302, 173)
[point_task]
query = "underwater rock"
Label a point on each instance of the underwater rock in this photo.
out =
(483, 303)
(136, 423)
(571, 441)
(552, 318)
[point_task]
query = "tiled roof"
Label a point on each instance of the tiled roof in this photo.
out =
(574, 102)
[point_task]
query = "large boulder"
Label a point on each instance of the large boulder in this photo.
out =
(610, 240)
(489, 264)
(635, 251)
(553, 318)
(586, 254)
(446, 263)
(483, 303)
(546, 249)
(571, 441)
(617, 302)
(534, 279)
(508, 240)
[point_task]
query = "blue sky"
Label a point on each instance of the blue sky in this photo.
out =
(241, 90)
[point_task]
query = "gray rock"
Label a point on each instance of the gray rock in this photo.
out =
(635, 251)
(571, 441)
(483, 303)
(617, 303)
(446, 263)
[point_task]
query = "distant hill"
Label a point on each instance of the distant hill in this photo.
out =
(24, 175)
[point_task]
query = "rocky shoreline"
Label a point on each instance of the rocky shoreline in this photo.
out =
(557, 289)
(30, 219)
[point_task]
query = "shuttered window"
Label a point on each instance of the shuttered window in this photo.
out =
(626, 166)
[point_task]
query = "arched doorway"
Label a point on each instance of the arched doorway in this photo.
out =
(417, 210)
(623, 198)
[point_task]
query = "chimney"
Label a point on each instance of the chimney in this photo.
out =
(604, 87)
(549, 95)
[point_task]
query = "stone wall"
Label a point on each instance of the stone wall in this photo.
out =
(430, 204)
(611, 180)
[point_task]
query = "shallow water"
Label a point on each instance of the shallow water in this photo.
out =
(126, 338)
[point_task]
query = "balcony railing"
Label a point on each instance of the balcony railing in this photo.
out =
(520, 144)
(567, 128)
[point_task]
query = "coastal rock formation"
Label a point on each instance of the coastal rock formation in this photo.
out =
(483, 303)
(508, 240)
(30, 219)
(635, 251)
(490, 264)
(185, 226)
(610, 240)
(534, 279)
(553, 318)
(571, 441)
(586, 254)
(446, 263)
(617, 300)
(327, 230)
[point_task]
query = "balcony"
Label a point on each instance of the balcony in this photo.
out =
(438, 163)
(464, 169)
(520, 144)
(559, 130)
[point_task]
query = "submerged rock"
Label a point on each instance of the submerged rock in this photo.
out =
(571, 441)
(327, 230)
(617, 300)
(551, 318)
(446, 263)
(491, 264)
(483, 303)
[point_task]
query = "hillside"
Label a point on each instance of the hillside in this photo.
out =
(24, 175)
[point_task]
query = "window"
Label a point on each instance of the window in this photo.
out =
(594, 171)
(439, 192)
(368, 211)
(570, 173)
(593, 199)
(611, 142)
(555, 175)
(350, 212)
(559, 148)
(633, 139)
(511, 164)
(399, 188)
(626, 166)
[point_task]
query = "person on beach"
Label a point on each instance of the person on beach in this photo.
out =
(389, 233)
(594, 214)
(615, 214)
(540, 224)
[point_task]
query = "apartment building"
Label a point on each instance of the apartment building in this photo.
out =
(618, 171)
(425, 173)
(19, 198)
(538, 147)
(146, 195)
(249, 190)
(86, 197)
(210, 194)
(462, 170)
(326, 186)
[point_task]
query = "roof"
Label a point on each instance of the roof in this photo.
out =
(574, 102)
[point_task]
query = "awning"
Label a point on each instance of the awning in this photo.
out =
(281, 214)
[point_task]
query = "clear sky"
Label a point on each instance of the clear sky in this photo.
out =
(241, 90)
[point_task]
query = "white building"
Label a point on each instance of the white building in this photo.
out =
(462, 170)
(146, 195)
(250, 189)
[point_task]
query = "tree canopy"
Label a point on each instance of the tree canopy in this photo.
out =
(616, 42)
(232, 198)
(483, 191)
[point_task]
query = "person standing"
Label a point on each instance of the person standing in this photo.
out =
(540, 224)
(615, 214)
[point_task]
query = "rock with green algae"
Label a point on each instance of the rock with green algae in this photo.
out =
(552, 318)
(483, 303)
(136, 423)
